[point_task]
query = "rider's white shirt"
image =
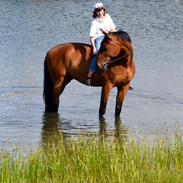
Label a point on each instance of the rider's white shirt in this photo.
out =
(106, 24)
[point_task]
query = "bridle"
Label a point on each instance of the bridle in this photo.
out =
(109, 62)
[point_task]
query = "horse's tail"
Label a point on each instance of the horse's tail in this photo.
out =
(48, 85)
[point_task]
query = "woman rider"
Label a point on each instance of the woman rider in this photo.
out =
(102, 22)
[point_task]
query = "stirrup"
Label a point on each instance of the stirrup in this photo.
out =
(88, 81)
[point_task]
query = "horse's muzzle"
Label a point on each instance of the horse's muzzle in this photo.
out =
(105, 65)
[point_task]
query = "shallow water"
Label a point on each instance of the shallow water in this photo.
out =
(28, 29)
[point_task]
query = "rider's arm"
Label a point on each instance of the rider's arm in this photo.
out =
(93, 45)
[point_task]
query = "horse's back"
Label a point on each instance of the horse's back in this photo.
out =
(71, 59)
(69, 51)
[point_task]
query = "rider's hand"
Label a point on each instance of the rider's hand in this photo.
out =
(94, 51)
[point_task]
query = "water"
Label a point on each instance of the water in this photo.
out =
(28, 29)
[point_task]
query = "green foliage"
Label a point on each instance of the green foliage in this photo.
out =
(94, 159)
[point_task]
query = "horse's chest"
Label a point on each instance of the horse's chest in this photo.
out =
(120, 75)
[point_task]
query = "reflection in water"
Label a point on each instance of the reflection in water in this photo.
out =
(53, 132)
(120, 131)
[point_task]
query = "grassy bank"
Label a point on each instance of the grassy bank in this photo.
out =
(96, 160)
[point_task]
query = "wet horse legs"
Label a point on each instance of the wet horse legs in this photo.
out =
(104, 98)
(58, 87)
(122, 91)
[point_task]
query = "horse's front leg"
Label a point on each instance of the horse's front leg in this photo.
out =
(104, 98)
(122, 91)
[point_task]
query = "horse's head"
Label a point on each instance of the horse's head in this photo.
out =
(114, 48)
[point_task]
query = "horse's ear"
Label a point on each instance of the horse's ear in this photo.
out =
(106, 34)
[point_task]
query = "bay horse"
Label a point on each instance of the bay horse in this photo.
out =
(69, 61)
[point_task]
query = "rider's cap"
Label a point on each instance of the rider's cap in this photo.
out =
(98, 6)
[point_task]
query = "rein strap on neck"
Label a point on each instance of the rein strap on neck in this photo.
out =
(106, 65)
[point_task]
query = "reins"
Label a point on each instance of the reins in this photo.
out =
(112, 61)
(106, 65)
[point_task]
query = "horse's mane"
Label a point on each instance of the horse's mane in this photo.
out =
(122, 35)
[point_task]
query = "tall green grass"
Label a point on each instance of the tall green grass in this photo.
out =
(95, 159)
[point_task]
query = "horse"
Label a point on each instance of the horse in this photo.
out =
(115, 68)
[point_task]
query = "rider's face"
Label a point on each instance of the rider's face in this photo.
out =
(100, 12)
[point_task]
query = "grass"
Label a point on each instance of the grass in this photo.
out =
(94, 159)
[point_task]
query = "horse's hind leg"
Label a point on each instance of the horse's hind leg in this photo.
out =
(122, 91)
(58, 87)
